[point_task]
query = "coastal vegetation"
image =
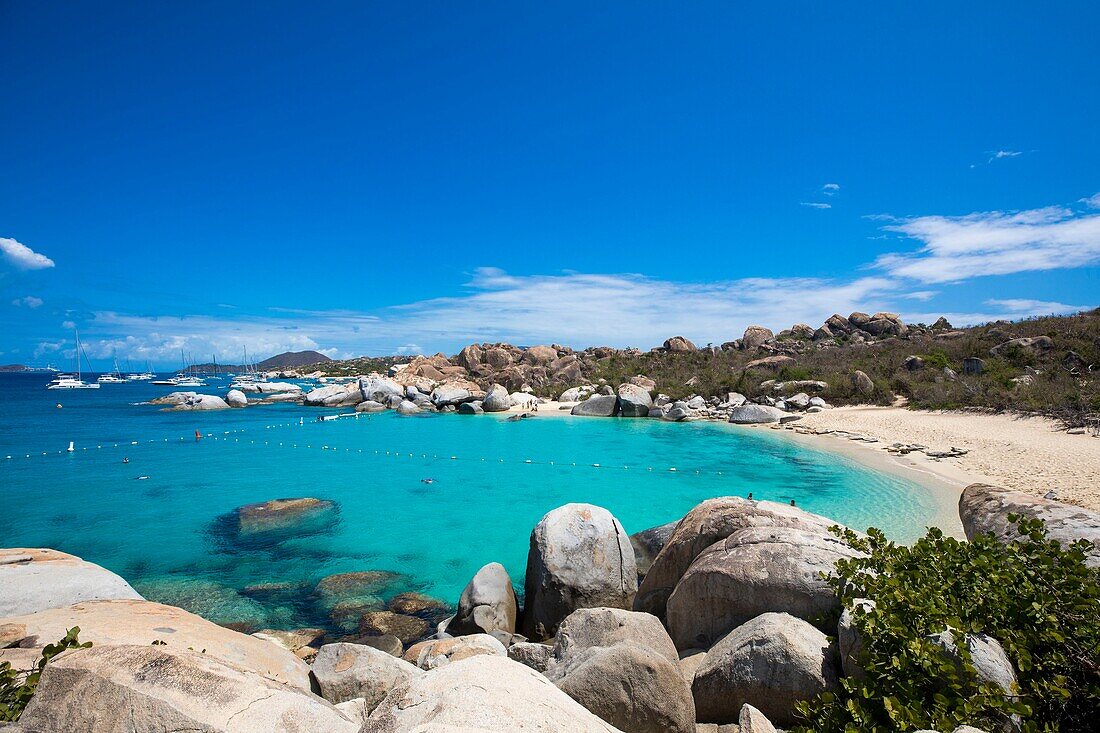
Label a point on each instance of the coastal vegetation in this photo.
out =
(1036, 596)
(17, 686)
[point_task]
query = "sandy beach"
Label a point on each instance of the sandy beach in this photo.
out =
(1026, 454)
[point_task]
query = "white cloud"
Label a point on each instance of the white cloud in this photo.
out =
(1001, 154)
(408, 349)
(816, 205)
(30, 301)
(957, 248)
(830, 189)
(921, 295)
(1092, 201)
(1000, 310)
(22, 257)
(47, 347)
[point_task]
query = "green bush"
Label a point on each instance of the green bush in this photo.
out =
(1036, 597)
(17, 687)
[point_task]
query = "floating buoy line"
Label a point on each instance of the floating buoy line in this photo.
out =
(234, 436)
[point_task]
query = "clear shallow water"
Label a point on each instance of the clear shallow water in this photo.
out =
(165, 534)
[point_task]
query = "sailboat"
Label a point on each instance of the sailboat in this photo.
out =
(143, 377)
(114, 377)
(68, 381)
(185, 378)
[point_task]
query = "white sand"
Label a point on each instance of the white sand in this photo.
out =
(1026, 454)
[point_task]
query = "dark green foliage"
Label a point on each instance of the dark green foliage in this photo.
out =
(17, 687)
(1034, 596)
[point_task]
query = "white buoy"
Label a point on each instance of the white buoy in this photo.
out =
(71, 448)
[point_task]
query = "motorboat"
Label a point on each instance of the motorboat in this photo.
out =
(112, 377)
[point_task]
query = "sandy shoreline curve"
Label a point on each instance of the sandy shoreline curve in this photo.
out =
(1023, 453)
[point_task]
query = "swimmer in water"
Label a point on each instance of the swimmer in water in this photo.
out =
(125, 460)
(59, 405)
(427, 480)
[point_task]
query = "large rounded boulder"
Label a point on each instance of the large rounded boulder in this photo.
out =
(580, 557)
(771, 663)
(634, 400)
(751, 572)
(348, 671)
(488, 603)
(496, 399)
(597, 406)
(985, 509)
(34, 579)
(706, 524)
(753, 414)
(485, 693)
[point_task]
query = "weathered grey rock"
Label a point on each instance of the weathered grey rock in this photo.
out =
(771, 662)
(595, 627)
(434, 653)
(679, 344)
(393, 401)
(985, 509)
(630, 686)
(708, 523)
(751, 414)
(488, 603)
(798, 401)
(751, 720)
(676, 412)
(303, 643)
(34, 579)
(575, 394)
(913, 363)
(151, 689)
(380, 389)
(354, 710)
(850, 640)
(818, 402)
(470, 408)
(236, 398)
(335, 395)
(1037, 345)
(648, 544)
(347, 671)
(696, 403)
(598, 406)
(753, 571)
(885, 324)
(405, 407)
(634, 401)
(483, 693)
(755, 336)
(580, 557)
(370, 406)
(534, 655)
(446, 394)
(496, 399)
(191, 401)
(991, 664)
(862, 384)
(125, 622)
(269, 387)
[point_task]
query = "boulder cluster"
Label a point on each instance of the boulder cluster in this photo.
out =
(720, 619)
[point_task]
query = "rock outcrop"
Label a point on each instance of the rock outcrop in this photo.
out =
(985, 509)
(597, 406)
(753, 414)
(122, 689)
(435, 653)
(580, 557)
(634, 401)
(35, 579)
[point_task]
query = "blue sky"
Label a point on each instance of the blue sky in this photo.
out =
(393, 177)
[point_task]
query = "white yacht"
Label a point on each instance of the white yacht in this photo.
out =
(68, 381)
(145, 376)
(114, 377)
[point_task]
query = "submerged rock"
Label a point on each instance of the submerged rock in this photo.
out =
(279, 515)
(406, 628)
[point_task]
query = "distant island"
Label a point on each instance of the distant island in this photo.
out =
(286, 360)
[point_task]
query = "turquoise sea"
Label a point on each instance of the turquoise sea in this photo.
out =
(493, 480)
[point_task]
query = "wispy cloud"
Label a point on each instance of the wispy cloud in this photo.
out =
(830, 189)
(22, 257)
(1001, 154)
(29, 301)
(999, 310)
(816, 205)
(957, 248)
(1092, 201)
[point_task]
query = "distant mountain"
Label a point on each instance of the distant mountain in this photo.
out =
(291, 359)
(20, 367)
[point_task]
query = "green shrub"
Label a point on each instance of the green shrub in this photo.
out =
(17, 687)
(1036, 597)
